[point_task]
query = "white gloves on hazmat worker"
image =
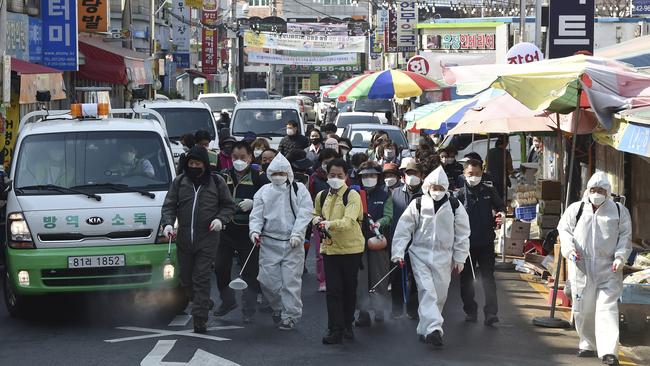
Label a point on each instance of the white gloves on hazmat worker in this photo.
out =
(458, 267)
(295, 241)
(317, 220)
(169, 231)
(245, 205)
(325, 224)
(398, 261)
(255, 238)
(573, 256)
(216, 225)
(618, 264)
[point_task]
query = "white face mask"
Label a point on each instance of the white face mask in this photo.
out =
(291, 131)
(344, 151)
(369, 182)
(239, 165)
(390, 182)
(473, 181)
(324, 167)
(335, 183)
(278, 180)
(413, 180)
(257, 152)
(389, 154)
(437, 195)
(597, 198)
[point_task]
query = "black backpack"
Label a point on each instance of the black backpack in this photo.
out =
(452, 200)
(323, 196)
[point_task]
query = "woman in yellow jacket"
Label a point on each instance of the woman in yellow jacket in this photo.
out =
(339, 215)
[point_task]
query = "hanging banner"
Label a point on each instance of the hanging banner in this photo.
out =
(640, 7)
(571, 27)
(60, 47)
(292, 42)
(210, 13)
(181, 33)
(17, 36)
(391, 32)
(93, 16)
(275, 59)
(209, 39)
(35, 40)
(407, 20)
(11, 124)
(318, 29)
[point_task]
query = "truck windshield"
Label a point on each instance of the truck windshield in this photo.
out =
(264, 122)
(132, 159)
(373, 105)
(217, 104)
(183, 121)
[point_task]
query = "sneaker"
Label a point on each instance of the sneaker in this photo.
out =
(287, 324)
(348, 334)
(434, 338)
(363, 320)
(225, 309)
(277, 317)
(471, 318)
(585, 353)
(200, 325)
(333, 337)
(490, 320)
(322, 287)
(610, 360)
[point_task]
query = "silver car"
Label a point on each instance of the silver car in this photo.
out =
(306, 105)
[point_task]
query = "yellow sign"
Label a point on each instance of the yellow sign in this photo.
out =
(306, 84)
(12, 120)
(93, 16)
(252, 39)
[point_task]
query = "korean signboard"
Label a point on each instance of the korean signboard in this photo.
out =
(276, 59)
(523, 53)
(390, 42)
(181, 33)
(17, 36)
(93, 15)
(292, 42)
(407, 20)
(460, 41)
(209, 39)
(321, 29)
(641, 7)
(35, 40)
(571, 27)
(298, 69)
(60, 34)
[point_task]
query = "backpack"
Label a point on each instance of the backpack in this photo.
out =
(452, 200)
(255, 177)
(582, 206)
(323, 197)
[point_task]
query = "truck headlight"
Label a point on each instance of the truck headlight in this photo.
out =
(23, 278)
(19, 235)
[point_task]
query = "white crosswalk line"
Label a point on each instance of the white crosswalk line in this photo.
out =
(180, 320)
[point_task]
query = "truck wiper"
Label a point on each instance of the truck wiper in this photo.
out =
(119, 188)
(52, 187)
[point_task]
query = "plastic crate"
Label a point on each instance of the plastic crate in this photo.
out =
(526, 213)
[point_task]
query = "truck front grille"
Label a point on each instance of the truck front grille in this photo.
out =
(105, 276)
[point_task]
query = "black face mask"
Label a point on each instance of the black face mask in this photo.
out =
(315, 141)
(265, 167)
(194, 172)
(227, 150)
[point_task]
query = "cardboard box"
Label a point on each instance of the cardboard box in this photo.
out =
(548, 221)
(557, 254)
(515, 247)
(519, 230)
(550, 190)
(549, 207)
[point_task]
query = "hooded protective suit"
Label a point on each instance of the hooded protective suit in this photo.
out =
(598, 238)
(280, 213)
(439, 239)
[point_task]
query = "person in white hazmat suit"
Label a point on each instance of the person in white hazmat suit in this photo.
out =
(438, 227)
(595, 236)
(281, 212)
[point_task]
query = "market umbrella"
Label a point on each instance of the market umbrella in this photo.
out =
(387, 84)
(503, 126)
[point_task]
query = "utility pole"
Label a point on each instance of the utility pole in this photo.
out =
(232, 65)
(3, 50)
(538, 24)
(271, 81)
(152, 27)
(522, 20)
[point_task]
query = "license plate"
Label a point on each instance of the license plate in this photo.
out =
(95, 261)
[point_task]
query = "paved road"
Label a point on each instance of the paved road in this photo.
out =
(89, 330)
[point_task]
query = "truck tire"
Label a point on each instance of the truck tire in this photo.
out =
(14, 302)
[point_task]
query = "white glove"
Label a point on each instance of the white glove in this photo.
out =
(459, 266)
(325, 224)
(317, 220)
(295, 241)
(375, 225)
(216, 225)
(169, 231)
(255, 237)
(618, 264)
(399, 261)
(573, 256)
(245, 205)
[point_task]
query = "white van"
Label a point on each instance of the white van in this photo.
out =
(83, 206)
(265, 118)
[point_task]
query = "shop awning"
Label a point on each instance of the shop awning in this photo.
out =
(110, 63)
(635, 52)
(34, 77)
(199, 74)
(628, 137)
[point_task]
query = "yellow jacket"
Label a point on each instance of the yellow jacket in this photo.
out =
(345, 230)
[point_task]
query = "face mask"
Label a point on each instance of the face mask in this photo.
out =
(369, 182)
(389, 154)
(128, 157)
(278, 180)
(437, 195)
(473, 181)
(390, 181)
(436, 140)
(239, 165)
(194, 172)
(314, 141)
(413, 180)
(335, 183)
(344, 152)
(227, 150)
(291, 131)
(597, 198)
(257, 152)
(265, 167)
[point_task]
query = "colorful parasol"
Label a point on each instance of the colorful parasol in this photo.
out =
(387, 84)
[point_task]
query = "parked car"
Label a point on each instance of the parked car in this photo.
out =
(378, 107)
(349, 118)
(360, 135)
(323, 101)
(306, 105)
(219, 103)
(466, 144)
(266, 118)
(253, 94)
(314, 95)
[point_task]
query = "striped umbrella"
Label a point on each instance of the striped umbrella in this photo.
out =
(387, 84)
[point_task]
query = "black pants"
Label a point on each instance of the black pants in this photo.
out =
(397, 291)
(341, 272)
(484, 257)
(235, 239)
(195, 268)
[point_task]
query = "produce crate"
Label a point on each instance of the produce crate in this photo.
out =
(526, 213)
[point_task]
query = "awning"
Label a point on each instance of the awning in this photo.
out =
(199, 74)
(627, 137)
(635, 52)
(34, 77)
(110, 63)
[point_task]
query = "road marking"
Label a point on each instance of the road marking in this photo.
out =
(200, 358)
(155, 333)
(180, 320)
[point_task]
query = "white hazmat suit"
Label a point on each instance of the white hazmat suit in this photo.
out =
(598, 238)
(279, 214)
(439, 239)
